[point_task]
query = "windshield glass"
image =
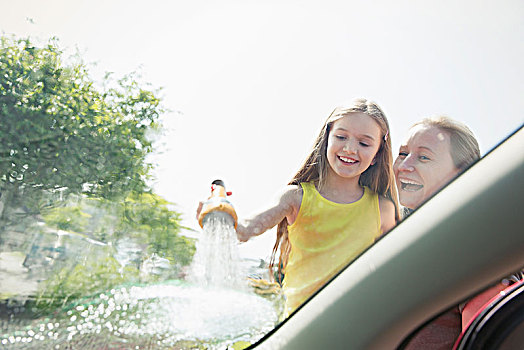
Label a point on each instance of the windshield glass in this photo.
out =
(117, 117)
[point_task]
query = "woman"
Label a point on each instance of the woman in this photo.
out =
(436, 150)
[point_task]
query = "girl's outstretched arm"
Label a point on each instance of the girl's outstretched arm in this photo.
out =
(286, 205)
(387, 214)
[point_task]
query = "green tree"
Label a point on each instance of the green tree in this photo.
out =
(67, 218)
(147, 218)
(142, 217)
(74, 152)
(59, 133)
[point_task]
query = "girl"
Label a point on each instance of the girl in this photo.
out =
(340, 201)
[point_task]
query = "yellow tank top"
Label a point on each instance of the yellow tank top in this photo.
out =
(324, 238)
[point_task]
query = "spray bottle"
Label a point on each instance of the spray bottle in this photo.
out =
(217, 205)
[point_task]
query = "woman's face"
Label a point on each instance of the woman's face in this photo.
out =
(423, 165)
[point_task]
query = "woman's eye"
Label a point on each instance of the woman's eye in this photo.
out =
(403, 154)
(423, 158)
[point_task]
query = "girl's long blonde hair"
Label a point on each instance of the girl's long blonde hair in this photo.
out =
(378, 177)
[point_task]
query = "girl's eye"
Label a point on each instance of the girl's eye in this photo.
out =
(340, 137)
(403, 154)
(423, 158)
(364, 144)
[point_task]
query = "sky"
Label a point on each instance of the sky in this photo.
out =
(250, 82)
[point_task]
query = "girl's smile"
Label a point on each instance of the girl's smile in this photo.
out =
(347, 160)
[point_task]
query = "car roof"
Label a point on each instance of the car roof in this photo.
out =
(468, 236)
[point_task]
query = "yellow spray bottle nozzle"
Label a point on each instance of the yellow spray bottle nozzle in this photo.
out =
(217, 202)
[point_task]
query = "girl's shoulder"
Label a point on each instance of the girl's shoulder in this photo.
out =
(291, 199)
(385, 204)
(292, 195)
(387, 213)
(286, 203)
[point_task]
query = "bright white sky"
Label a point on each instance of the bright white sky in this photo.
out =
(252, 81)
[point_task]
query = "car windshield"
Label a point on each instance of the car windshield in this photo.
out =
(116, 118)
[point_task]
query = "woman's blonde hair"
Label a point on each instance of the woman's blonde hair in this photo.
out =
(378, 177)
(464, 146)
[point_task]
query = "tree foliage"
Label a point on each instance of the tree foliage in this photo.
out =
(58, 131)
(141, 217)
(150, 220)
(73, 153)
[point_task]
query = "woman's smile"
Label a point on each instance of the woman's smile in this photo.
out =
(410, 185)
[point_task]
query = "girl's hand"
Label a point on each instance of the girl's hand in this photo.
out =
(199, 209)
(242, 234)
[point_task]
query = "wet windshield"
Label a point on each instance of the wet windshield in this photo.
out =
(116, 118)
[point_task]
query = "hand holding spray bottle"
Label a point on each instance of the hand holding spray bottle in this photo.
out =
(217, 206)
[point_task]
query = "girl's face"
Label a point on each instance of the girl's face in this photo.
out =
(423, 165)
(353, 142)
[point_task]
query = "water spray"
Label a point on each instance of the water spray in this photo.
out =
(217, 205)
